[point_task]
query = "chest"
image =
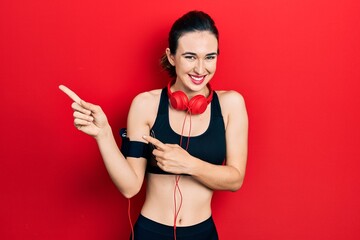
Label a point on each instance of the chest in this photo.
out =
(185, 124)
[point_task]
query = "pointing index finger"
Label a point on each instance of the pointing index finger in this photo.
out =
(70, 94)
(155, 142)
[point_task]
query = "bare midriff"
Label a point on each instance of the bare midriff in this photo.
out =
(159, 204)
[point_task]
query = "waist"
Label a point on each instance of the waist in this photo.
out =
(193, 197)
(166, 230)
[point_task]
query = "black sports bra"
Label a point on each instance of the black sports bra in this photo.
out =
(209, 146)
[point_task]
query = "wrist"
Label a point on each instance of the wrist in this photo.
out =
(194, 166)
(105, 133)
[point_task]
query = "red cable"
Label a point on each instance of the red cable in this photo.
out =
(177, 177)
(129, 215)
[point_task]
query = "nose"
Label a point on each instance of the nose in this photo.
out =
(199, 67)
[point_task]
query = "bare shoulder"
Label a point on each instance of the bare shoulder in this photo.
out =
(230, 100)
(147, 99)
(233, 107)
(144, 107)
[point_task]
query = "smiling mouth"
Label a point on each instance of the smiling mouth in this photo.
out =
(197, 79)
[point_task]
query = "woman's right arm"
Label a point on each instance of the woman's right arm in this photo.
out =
(127, 174)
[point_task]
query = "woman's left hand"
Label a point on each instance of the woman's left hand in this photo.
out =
(170, 157)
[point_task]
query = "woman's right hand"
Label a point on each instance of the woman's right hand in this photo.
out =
(88, 118)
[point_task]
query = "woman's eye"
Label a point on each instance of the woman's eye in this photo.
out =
(190, 57)
(210, 57)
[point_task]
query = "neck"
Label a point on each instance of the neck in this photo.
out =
(179, 87)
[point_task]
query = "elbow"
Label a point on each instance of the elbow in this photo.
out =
(128, 196)
(130, 193)
(237, 184)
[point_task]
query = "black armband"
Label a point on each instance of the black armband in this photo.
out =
(134, 149)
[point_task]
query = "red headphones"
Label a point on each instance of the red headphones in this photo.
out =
(196, 105)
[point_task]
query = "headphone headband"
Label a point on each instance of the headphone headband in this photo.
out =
(196, 105)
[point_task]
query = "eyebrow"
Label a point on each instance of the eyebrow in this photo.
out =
(194, 54)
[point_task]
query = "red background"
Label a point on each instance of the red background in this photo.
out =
(295, 62)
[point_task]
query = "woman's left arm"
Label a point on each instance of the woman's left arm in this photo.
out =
(231, 175)
(225, 177)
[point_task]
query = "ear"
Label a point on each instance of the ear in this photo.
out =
(170, 57)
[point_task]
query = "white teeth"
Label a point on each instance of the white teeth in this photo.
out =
(197, 78)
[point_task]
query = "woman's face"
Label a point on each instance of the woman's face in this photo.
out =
(195, 60)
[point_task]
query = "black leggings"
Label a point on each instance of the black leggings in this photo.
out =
(147, 229)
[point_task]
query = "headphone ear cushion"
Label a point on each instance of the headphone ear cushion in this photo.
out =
(179, 101)
(198, 104)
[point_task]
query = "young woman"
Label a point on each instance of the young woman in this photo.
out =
(187, 139)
